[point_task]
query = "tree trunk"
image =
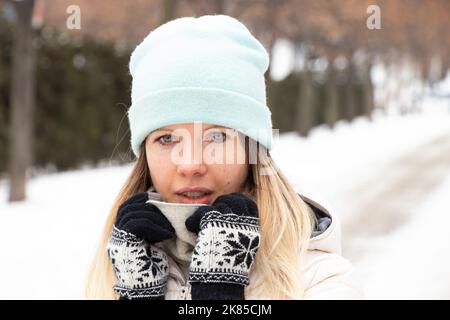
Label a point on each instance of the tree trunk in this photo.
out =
(219, 7)
(305, 103)
(368, 94)
(332, 103)
(22, 99)
(350, 98)
(169, 7)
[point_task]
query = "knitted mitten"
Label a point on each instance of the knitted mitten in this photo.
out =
(141, 267)
(228, 239)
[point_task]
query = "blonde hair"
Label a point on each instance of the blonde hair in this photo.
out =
(285, 227)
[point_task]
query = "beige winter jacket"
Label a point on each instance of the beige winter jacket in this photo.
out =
(325, 273)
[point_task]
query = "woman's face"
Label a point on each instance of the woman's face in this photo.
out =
(196, 163)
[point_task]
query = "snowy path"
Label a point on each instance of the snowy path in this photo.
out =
(395, 207)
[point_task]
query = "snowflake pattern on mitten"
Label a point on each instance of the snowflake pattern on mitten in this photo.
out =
(226, 248)
(141, 269)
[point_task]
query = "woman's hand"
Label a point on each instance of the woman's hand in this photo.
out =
(141, 267)
(228, 239)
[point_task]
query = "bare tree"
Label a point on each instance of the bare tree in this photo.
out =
(168, 10)
(332, 96)
(22, 99)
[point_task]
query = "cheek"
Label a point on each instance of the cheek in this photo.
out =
(159, 168)
(233, 176)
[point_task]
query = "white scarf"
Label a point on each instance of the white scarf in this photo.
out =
(180, 247)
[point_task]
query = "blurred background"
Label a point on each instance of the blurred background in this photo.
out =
(359, 90)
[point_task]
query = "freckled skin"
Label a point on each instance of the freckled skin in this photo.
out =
(168, 176)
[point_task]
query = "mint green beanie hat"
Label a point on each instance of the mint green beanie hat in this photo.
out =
(208, 69)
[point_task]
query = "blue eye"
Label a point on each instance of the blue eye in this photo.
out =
(218, 136)
(163, 141)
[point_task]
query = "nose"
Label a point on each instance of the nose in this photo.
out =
(192, 169)
(192, 163)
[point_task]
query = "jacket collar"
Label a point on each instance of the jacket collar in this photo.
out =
(326, 235)
(323, 217)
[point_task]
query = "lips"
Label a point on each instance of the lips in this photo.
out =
(194, 195)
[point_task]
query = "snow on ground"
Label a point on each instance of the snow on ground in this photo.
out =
(330, 163)
(413, 262)
(47, 242)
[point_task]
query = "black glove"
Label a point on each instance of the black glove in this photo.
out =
(141, 266)
(228, 239)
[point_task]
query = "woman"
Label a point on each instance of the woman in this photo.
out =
(198, 112)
